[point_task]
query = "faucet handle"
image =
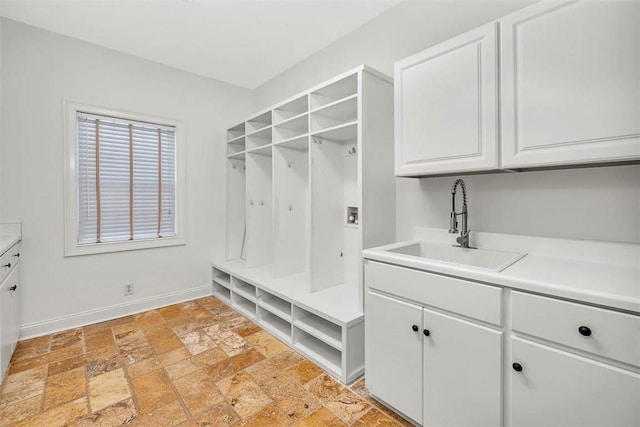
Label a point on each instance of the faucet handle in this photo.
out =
(453, 224)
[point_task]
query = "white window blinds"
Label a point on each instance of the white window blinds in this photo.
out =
(126, 180)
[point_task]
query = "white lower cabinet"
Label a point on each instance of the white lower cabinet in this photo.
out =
(394, 353)
(553, 387)
(434, 368)
(9, 308)
(462, 372)
(441, 352)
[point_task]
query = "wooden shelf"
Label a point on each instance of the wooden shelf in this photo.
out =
(236, 156)
(300, 142)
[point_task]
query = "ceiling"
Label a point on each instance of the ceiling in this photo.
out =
(243, 42)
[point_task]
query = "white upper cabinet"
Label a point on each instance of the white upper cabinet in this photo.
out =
(446, 106)
(570, 83)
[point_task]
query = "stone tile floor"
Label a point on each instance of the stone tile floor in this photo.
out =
(197, 363)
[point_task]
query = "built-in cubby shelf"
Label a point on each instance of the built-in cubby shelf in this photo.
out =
(295, 259)
(275, 324)
(327, 357)
(290, 109)
(235, 132)
(326, 331)
(258, 122)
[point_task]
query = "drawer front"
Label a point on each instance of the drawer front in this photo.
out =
(9, 260)
(470, 299)
(610, 334)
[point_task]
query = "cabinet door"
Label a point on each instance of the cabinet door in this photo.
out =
(561, 389)
(446, 106)
(462, 373)
(394, 353)
(570, 81)
(15, 308)
(7, 320)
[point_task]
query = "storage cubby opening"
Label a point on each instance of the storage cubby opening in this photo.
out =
(275, 305)
(335, 252)
(292, 213)
(259, 198)
(245, 306)
(258, 122)
(235, 208)
(339, 113)
(245, 289)
(275, 324)
(291, 109)
(320, 328)
(236, 131)
(291, 129)
(335, 91)
(325, 355)
(221, 292)
(259, 139)
(237, 146)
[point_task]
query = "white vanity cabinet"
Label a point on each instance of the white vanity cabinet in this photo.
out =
(569, 92)
(436, 367)
(570, 83)
(446, 101)
(9, 305)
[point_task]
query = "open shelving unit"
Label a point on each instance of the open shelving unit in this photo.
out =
(309, 186)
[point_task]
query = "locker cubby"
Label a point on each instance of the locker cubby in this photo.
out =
(258, 122)
(335, 91)
(336, 114)
(290, 109)
(291, 188)
(246, 290)
(308, 165)
(275, 305)
(274, 324)
(222, 292)
(236, 131)
(291, 129)
(243, 305)
(259, 207)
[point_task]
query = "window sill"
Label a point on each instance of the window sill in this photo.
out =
(131, 245)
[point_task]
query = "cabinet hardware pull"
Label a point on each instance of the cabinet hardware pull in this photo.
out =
(17, 255)
(415, 328)
(7, 265)
(426, 332)
(584, 331)
(13, 288)
(517, 367)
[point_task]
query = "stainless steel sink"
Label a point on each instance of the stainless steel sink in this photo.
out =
(489, 259)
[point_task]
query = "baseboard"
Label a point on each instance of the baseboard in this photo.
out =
(102, 314)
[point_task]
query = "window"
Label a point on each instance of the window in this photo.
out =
(123, 181)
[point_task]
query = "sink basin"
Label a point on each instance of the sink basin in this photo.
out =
(488, 259)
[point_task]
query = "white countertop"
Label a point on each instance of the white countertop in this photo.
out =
(602, 273)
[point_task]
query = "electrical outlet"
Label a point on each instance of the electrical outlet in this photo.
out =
(128, 288)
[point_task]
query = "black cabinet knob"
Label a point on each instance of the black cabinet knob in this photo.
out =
(7, 265)
(13, 288)
(584, 331)
(517, 367)
(426, 332)
(415, 328)
(17, 255)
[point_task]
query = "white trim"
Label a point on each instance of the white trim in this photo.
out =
(110, 312)
(71, 246)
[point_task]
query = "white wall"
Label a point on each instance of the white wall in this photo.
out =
(40, 70)
(593, 203)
